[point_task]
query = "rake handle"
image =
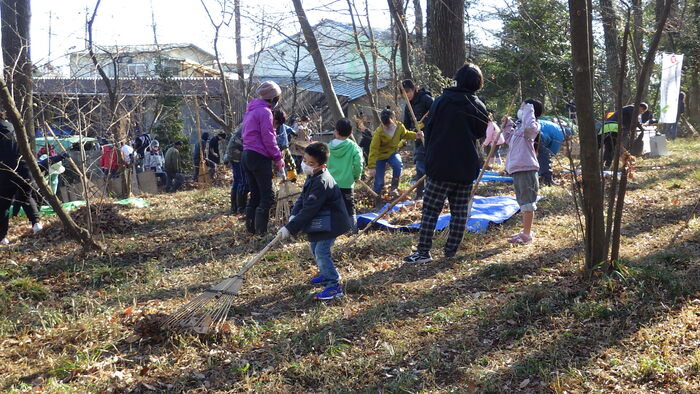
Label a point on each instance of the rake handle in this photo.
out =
(258, 256)
(369, 189)
(410, 110)
(385, 211)
(488, 157)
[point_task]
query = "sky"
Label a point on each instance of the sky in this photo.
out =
(58, 27)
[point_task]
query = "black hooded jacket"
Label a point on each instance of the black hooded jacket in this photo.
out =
(10, 163)
(421, 103)
(456, 120)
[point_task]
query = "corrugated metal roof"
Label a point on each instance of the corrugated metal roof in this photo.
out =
(352, 89)
(129, 86)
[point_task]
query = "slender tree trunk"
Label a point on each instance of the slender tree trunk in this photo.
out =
(16, 17)
(694, 97)
(445, 38)
(375, 56)
(612, 47)
(295, 82)
(79, 234)
(642, 85)
(580, 15)
(117, 120)
(243, 91)
(637, 31)
(612, 192)
(361, 52)
(418, 12)
(396, 10)
(312, 47)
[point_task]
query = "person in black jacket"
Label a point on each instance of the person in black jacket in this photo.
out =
(420, 101)
(320, 212)
(456, 120)
(14, 181)
(609, 132)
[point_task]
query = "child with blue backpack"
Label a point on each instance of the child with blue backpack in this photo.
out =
(320, 213)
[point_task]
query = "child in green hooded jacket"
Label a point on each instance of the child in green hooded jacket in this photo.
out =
(345, 163)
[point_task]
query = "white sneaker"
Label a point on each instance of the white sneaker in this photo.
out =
(37, 227)
(5, 241)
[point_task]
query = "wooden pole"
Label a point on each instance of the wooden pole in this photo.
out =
(203, 174)
(489, 156)
(410, 110)
(369, 189)
(388, 208)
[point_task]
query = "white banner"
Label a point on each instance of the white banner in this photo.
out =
(670, 87)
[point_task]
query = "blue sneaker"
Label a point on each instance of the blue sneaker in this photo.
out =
(318, 280)
(330, 293)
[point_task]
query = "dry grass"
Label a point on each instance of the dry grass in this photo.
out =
(495, 319)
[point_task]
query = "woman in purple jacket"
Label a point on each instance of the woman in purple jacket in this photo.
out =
(260, 151)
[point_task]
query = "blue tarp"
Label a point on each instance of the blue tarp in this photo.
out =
(485, 210)
(491, 176)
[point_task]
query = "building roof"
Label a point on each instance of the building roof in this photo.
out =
(294, 37)
(129, 86)
(143, 48)
(352, 89)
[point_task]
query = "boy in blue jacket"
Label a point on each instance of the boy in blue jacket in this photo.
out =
(320, 212)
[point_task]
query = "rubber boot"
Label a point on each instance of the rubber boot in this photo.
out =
(250, 219)
(261, 218)
(242, 201)
(378, 202)
(395, 186)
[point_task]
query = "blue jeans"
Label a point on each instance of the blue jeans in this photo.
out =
(544, 158)
(396, 166)
(239, 184)
(321, 251)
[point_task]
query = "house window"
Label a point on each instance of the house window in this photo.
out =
(136, 70)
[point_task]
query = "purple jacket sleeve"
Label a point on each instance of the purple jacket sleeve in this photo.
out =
(268, 135)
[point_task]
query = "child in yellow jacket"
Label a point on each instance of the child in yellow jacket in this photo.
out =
(384, 149)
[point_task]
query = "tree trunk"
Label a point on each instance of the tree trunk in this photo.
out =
(612, 47)
(642, 85)
(16, 16)
(243, 91)
(418, 12)
(361, 52)
(312, 47)
(580, 15)
(79, 234)
(117, 120)
(693, 98)
(445, 38)
(613, 190)
(375, 56)
(396, 10)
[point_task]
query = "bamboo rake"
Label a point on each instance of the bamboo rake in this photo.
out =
(210, 309)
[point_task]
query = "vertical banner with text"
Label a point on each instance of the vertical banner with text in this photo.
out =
(670, 87)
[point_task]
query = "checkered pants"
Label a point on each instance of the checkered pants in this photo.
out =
(433, 200)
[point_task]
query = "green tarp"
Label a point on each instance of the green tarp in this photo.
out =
(46, 210)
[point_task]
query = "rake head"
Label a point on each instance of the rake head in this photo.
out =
(209, 310)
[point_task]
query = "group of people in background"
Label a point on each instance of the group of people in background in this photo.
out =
(446, 131)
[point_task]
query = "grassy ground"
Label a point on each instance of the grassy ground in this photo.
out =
(496, 319)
